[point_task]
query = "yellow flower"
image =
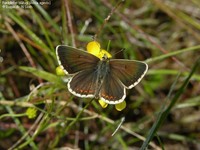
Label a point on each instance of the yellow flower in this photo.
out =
(59, 71)
(120, 106)
(31, 112)
(103, 104)
(95, 49)
(104, 52)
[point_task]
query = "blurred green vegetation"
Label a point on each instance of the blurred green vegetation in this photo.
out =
(164, 108)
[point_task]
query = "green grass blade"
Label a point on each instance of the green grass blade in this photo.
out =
(46, 16)
(21, 23)
(42, 74)
(194, 48)
(164, 114)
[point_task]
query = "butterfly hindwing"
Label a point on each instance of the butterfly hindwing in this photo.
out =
(112, 90)
(83, 84)
(74, 60)
(129, 72)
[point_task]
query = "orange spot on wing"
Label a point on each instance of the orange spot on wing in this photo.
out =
(84, 91)
(108, 97)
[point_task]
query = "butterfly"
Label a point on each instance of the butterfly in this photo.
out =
(92, 77)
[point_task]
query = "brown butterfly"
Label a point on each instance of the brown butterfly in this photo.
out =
(105, 78)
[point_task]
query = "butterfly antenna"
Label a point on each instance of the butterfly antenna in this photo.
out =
(119, 51)
(107, 18)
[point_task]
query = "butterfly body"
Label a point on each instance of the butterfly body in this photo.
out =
(101, 70)
(97, 78)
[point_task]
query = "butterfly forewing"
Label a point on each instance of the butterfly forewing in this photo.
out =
(74, 60)
(129, 72)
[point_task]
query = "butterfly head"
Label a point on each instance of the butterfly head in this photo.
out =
(105, 57)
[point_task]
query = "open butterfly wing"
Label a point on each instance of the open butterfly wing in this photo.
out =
(112, 90)
(73, 60)
(129, 72)
(121, 74)
(83, 84)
